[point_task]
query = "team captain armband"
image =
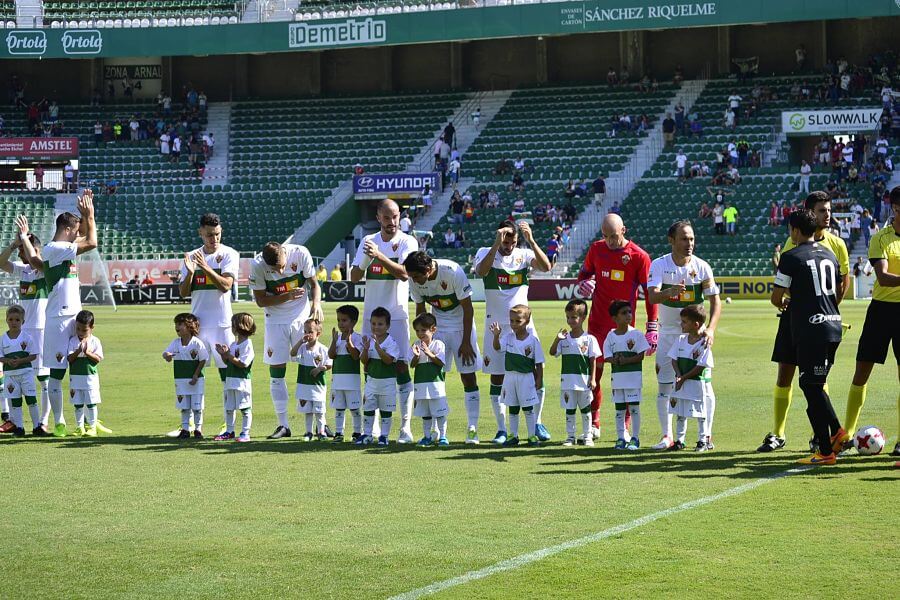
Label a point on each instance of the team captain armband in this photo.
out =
(782, 280)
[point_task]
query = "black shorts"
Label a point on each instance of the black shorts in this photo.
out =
(814, 360)
(881, 329)
(784, 350)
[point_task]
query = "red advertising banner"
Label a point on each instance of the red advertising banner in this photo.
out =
(552, 289)
(37, 148)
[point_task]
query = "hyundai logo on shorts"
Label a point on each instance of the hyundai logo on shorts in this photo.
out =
(819, 318)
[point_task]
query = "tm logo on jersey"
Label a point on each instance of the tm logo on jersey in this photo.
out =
(510, 279)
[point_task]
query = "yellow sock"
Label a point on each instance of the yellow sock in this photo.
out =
(856, 397)
(825, 389)
(782, 398)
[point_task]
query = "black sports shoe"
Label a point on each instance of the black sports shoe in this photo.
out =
(328, 432)
(896, 450)
(814, 445)
(356, 435)
(40, 431)
(771, 443)
(338, 438)
(184, 434)
(18, 432)
(280, 432)
(675, 446)
(198, 435)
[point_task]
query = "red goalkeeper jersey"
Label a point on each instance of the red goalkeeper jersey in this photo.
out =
(618, 273)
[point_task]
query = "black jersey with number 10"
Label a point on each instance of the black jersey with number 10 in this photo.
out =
(810, 272)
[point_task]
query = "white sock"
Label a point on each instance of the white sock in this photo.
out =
(368, 423)
(531, 421)
(279, 391)
(185, 418)
(701, 429)
(514, 424)
(229, 421)
(91, 412)
(635, 410)
(35, 414)
(570, 424)
(79, 415)
(4, 406)
(539, 407)
(404, 398)
(339, 421)
(15, 415)
(586, 423)
(320, 423)
(56, 400)
(246, 420)
(386, 423)
(499, 412)
(357, 420)
(620, 425)
(426, 427)
(710, 409)
(442, 426)
(680, 428)
(198, 420)
(662, 409)
(473, 407)
(45, 401)
(309, 422)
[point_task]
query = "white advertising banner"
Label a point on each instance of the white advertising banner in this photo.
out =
(806, 122)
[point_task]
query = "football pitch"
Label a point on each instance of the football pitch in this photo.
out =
(136, 514)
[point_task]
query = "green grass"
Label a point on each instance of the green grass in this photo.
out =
(139, 515)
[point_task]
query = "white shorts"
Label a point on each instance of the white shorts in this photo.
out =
(431, 407)
(666, 373)
(452, 341)
(17, 385)
(313, 393)
(211, 336)
(37, 336)
(238, 400)
(57, 332)
(687, 408)
(83, 397)
(399, 330)
(189, 401)
(311, 406)
(382, 402)
(626, 396)
(518, 390)
(494, 361)
(572, 399)
(346, 399)
(279, 339)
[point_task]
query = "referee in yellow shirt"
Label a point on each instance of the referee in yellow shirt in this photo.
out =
(882, 326)
(784, 353)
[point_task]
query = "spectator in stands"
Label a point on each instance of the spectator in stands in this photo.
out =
(453, 169)
(468, 212)
(668, 129)
(336, 273)
(482, 199)
(569, 190)
(202, 102)
(519, 165)
(552, 213)
(176, 149)
(599, 188)
(681, 165)
(643, 85)
(503, 167)
(519, 206)
(111, 186)
(117, 130)
(450, 238)
(518, 184)
(461, 238)
(679, 118)
(540, 213)
(865, 223)
(39, 177)
(696, 128)
(800, 58)
(678, 76)
(581, 188)
(853, 174)
(449, 133)
(147, 281)
(437, 152)
(643, 123)
(718, 219)
(730, 215)
(117, 282)
(493, 199)
(743, 153)
(553, 248)
(774, 215)
(612, 78)
(68, 178)
(456, 209)
(824, 150)
(805, 172)
(134, 282)
(755, 160)
(615, 209)
(405, 222)
(730, 119)
(881, 146)
(705, 211)
(133, 126)
(776, 257)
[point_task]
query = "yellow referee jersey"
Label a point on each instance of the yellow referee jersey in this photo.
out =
(833, 243)
(886, 245)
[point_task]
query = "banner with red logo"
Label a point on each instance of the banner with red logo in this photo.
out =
(552, 289)
(39, 148)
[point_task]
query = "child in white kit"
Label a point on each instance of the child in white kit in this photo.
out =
(692, 360)
(311, 382)
(379, 354)
(189, 355)
(84, 354)
(624, 350)
(524, 365)
(17, 352)
(238, 358)
(429, 388)
(579, 351)
(344, 353)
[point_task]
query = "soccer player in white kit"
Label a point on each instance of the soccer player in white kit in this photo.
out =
(504, 267)
(207, 275)
(443, 285)
(380, 259)
(279, 277)
(677, 280)
(33, 298)
(74, 235)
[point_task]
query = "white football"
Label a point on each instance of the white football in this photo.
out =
(869, 440)
(727, 299)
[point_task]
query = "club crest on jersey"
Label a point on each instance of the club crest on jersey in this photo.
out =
(293, 266)
(394, 246)
(71, 393)
(180, 397)
(59, 357)
(626, 259)
(630, 344)
(583, 347)
(528, 351)
(269, 351)
(24, 345)
(237, 352)
(444, 285)
(318, 360)
(519, 261)
(487, 361)
(566, 396)
(194, 354)
(695, 353)
(693, 274)
(10, 387)
(302, 402)
(217, 258)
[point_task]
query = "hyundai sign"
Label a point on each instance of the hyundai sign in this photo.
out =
(398, 183)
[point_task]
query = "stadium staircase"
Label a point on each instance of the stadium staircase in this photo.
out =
(219, 124)
(659, 198)
(29, 13)
(619, 184)
(259, 11)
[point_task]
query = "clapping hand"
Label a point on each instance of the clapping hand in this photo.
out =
(562, 334)
(168, 356)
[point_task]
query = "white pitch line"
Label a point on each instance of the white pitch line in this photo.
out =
(532, 557)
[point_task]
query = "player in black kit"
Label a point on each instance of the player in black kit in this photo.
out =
(809, 274)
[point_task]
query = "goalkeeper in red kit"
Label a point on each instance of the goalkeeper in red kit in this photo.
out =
(614, 269)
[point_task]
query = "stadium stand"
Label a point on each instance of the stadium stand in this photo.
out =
(154, 12)
(562, 134)
(7, 10)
